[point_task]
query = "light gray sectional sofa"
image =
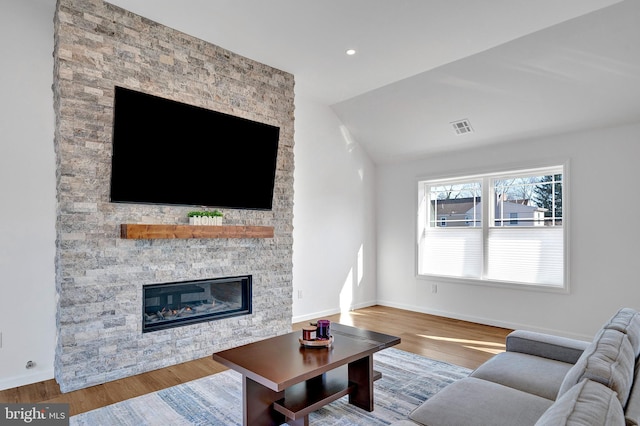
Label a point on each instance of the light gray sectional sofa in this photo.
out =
(547, 380)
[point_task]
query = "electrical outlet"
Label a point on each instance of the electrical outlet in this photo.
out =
(434, 288)
(299, 294)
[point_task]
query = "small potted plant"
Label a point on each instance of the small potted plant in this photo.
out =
(205, 218)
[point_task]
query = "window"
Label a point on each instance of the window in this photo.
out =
(522, 242)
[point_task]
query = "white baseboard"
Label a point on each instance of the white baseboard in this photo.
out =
(26, 379)
(485, 321)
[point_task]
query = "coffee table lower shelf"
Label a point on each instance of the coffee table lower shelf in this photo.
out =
(305, 397)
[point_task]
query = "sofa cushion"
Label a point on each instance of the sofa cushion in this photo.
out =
(632, 409)
(528, 373)
(472, 401)
(587, 403)
(627, 321)
(545, 345)
(609, 360)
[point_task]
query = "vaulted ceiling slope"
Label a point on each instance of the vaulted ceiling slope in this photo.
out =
(515, 69)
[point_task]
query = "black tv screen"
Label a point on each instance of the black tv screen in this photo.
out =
(168, 152)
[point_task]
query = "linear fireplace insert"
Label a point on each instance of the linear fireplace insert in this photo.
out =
(175, 304)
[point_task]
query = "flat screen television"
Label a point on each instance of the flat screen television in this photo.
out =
(172, 153)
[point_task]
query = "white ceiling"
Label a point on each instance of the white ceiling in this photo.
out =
(514, 68)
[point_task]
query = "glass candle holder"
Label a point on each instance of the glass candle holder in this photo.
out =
(309, 332)
(324, 330)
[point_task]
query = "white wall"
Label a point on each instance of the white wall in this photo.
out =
(333, 217)
(27, 191)
(604, 235)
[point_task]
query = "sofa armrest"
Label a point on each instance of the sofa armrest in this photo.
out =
(546, 345)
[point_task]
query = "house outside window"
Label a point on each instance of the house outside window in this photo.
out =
(522, 244)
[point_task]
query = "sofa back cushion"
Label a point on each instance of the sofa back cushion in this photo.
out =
(586, 403)
(632, 409)
(609, 359)
(627, 321)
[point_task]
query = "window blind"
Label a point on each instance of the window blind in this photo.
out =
(452, 251)
(528, 255)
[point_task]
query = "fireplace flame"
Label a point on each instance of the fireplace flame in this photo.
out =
(167, 312)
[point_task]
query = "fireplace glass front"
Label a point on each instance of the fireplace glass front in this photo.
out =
(167, 305)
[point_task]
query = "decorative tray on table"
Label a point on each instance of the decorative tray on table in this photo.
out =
(325, 343)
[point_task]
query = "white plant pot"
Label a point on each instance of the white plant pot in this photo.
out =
(206, 220)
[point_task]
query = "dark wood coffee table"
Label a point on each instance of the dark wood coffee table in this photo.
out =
(283, 381)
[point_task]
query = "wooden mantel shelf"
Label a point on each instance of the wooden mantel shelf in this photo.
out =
(133, 231)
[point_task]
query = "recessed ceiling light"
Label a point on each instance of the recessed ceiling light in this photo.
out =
(351, 52)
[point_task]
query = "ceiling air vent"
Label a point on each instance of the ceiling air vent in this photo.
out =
(462, 127)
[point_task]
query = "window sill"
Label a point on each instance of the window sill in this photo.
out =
(546, 288)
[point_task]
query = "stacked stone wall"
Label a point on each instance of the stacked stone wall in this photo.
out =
(99, 276)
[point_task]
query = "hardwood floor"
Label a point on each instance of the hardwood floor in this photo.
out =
(454, 341)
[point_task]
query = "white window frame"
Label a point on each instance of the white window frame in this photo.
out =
(487, 192)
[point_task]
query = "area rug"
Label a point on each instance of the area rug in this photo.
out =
(407, 380)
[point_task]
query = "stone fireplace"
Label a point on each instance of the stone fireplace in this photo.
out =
(101, 276)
